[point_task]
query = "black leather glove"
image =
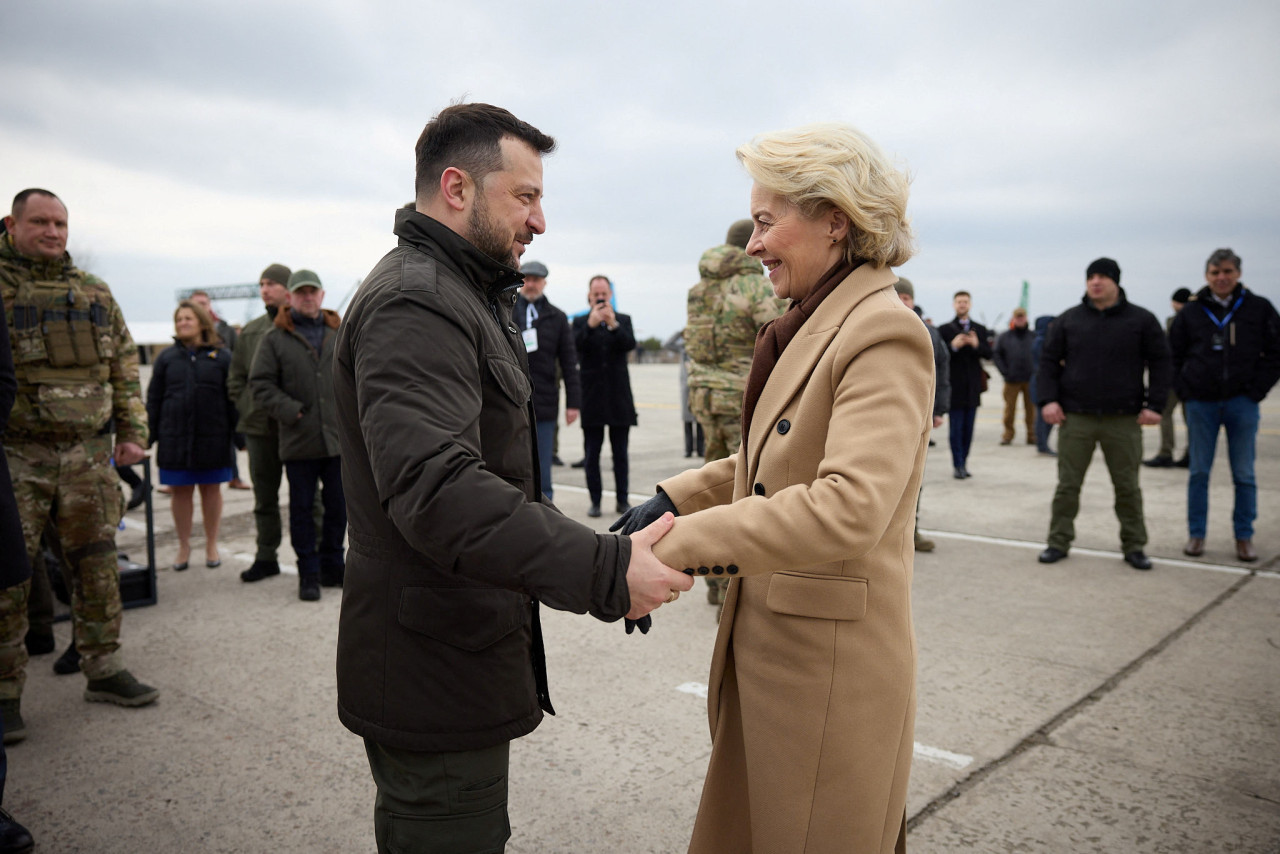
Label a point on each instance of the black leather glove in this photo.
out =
(641, 516)
(644, 515)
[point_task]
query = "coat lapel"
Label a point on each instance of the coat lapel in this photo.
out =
(801, 356)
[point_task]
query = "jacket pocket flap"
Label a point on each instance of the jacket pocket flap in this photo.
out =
(511, 379)
(469, 618)
(824, 597)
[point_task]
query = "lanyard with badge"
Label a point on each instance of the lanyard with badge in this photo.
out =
(530, 335)
(1219, 339)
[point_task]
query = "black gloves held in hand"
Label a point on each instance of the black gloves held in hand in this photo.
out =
(641, 516)
(644, 515)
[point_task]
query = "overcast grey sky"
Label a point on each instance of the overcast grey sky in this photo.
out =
(196, 142)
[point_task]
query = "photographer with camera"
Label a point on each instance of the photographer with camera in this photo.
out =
(603, 338)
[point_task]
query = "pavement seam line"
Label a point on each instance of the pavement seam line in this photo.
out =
(1041, 736)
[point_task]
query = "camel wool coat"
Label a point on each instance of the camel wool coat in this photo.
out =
(812, 688)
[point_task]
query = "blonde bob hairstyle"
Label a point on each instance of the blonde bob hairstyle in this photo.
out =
(830, 165)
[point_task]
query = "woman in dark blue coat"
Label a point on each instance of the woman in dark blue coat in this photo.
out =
(192, 419)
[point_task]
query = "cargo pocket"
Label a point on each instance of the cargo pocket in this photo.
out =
(822, 597)
(483, 832)
(85, 405)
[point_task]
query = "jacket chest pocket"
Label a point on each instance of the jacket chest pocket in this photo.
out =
(504, 426)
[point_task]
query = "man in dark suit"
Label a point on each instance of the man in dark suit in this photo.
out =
(970, 343)
(603, 339)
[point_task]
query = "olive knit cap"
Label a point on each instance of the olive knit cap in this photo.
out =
(277, 273)
(904, 286)
(740, 233)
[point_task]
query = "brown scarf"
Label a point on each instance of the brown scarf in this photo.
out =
(775, 335)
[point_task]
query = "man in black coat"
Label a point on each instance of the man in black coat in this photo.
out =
(603, 339)
(440, 663)
(1091, 383)
(1226, 357)
(548, 342)
(970, 343)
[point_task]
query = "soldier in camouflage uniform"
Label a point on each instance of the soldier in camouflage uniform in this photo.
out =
(727, 306)
(77, 369)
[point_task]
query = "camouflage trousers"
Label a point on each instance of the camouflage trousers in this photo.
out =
(720, 414)
(73, 481)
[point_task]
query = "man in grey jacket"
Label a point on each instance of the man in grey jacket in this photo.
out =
(440, 656)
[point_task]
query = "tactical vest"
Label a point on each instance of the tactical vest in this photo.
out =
(62, 346)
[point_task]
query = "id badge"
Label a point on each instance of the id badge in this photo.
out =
(1217, 341)
(530, 337)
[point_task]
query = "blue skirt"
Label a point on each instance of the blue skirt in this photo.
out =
(191, 477)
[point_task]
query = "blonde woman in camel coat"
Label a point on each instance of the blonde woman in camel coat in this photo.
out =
(812, 686)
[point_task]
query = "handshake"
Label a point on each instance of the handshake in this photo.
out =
(650, 582)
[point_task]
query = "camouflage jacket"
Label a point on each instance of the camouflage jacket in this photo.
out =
(726, 309)
(76, 364)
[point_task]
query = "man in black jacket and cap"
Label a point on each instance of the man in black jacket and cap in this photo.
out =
(1091, 383)
(440, 656)
(548, 342)
(1226, 357)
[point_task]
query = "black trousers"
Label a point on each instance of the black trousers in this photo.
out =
(593, 438)
(304, 476)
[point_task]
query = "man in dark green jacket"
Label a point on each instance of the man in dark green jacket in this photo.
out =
(440, 660)
(292, 380)
(261, 434)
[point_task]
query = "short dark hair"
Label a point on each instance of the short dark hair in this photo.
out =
(467, 137)
(1222, 256)
(961, 294)
(607, 280)
(20, 200)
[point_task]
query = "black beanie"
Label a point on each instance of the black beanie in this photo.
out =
(1182, 295)
(1106, 267)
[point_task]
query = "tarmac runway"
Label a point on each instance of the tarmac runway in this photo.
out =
(1077, 707)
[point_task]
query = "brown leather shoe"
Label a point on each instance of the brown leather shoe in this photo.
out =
(1245, 550)
(237, 483)
(1194, 547)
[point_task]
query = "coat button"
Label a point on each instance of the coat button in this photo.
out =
(688, 571)
(718, 570)
(758, 489)
(732, 569)
(783, 426)
(702, 570)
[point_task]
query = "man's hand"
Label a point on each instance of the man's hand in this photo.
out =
(1148, 416)
(937, 421)
(1052, 413)
(961, 340)
(128, 453)
(570, 416)
(650, 581)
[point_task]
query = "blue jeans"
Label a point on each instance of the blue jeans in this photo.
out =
(546, 441)
(960, 428)
(1239, 415)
